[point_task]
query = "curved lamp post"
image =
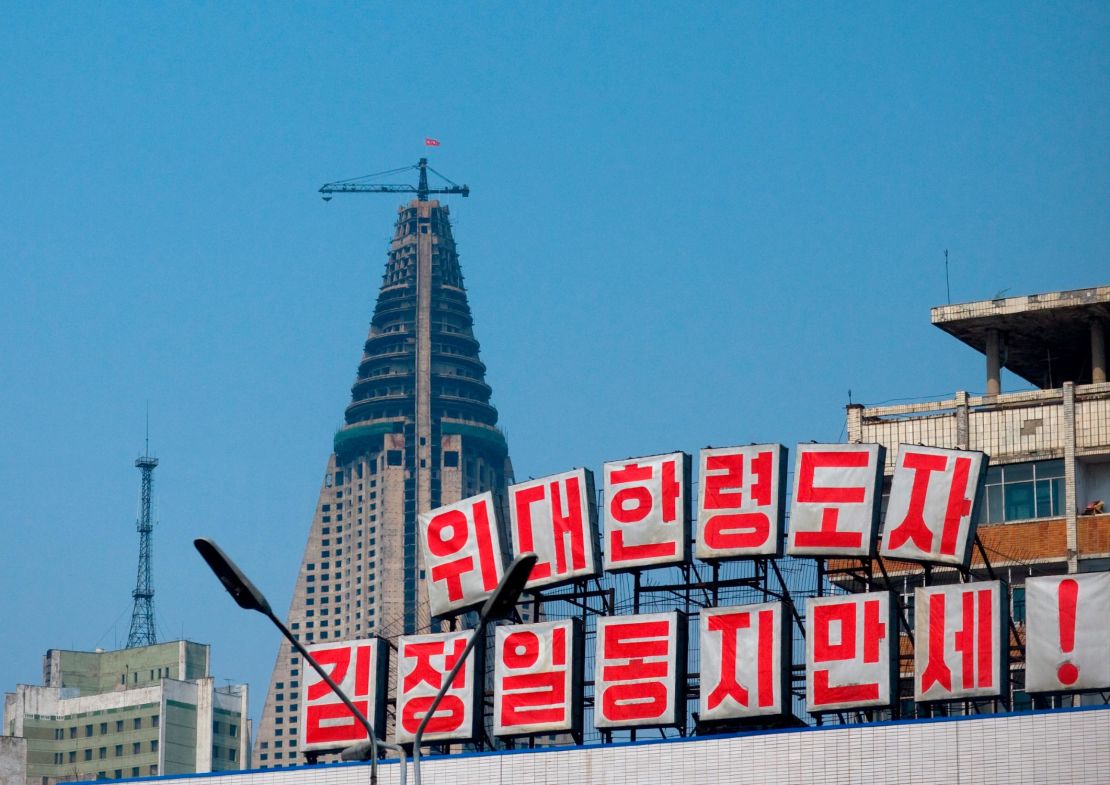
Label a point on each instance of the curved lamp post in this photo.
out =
(499, 605)
(250, 598)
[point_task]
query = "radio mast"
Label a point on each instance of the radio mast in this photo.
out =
(142, 614)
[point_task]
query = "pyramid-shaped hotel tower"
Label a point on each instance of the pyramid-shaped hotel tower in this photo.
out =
(418, 433)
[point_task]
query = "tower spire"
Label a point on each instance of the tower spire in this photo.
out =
(142, 614)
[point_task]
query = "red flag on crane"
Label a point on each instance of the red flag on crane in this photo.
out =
(430, 142)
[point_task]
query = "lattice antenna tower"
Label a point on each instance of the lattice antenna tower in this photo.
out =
(142, 614)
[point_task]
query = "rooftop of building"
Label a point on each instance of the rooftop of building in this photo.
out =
(1045, 337)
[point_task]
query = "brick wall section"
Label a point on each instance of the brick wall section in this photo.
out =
(1094, 536)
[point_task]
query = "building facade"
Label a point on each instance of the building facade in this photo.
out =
(128, 713)
(419, 433)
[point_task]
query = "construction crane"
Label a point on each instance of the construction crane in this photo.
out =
(358, 184)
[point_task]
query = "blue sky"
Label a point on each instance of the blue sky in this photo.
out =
(690, 224)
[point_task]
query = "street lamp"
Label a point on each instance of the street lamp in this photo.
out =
(499, 605)
(250, 598)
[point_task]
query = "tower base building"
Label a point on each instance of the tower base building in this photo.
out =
(129, 713)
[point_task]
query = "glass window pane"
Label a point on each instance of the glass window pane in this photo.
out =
(1057, 496)
(993, 513)
(1018, 472)
(1019, 501)
(1046, 469)
(1044, 498)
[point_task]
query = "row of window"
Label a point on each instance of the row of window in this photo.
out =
(102, 752)
(136, 771)
(1022, 491)
(136, 724)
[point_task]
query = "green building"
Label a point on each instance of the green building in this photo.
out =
(128, 713)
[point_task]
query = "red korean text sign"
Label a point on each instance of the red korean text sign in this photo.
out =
(556, 518)
(537, 685)
(932, 510)
(360, 669)
(742, 655)
(423, 662)
(958, 641)
(1067, 633)
(647, 522)
(851, 654)
(640, 670)
(835, 506)
(741, 501)
(462, 553)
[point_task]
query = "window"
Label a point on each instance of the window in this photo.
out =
(1017, 604)
(103, 728)
(233, 730)
(102, 753)
(216, 724)
(59, 758)
(119, 726)
(1022, 491)
(154, 720)
(88, 730)
(138, 723)
(154, 769)
(230, 754)
(154, 745)
(88, 754)
(119, 750)
(393, 457)
(73, 732)
(118, 774)
(72, 756)
(136, 748)
(58, 734)
(134, 771)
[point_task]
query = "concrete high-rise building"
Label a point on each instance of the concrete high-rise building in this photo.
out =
(1043, 510)
(128, 713)
(419, 433)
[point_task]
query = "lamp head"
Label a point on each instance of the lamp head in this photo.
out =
(504, 598)
(237, 584)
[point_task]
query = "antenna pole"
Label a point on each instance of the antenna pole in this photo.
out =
(947, 286)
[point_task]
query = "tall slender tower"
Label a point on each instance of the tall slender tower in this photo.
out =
(418, 433)
(142, 631)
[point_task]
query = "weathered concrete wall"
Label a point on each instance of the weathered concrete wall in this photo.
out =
(13, 760)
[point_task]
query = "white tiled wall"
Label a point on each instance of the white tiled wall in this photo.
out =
(1046, 748)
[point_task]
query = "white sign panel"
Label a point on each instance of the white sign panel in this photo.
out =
(556, 518)
(933, 505)
(742, 673)
(647, 522)
(1067, 633)
(851, 651)
(359, 668)
(741, 501)
(639, 670)
(835, 507)
(537, 682)
(462, 553)
(423, 662)
(959, 634)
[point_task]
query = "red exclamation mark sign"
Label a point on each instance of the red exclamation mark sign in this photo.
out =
(1068, 595)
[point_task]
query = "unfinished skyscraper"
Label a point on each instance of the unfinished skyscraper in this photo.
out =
(419, 432)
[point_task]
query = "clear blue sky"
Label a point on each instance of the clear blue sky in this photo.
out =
(690, 224)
